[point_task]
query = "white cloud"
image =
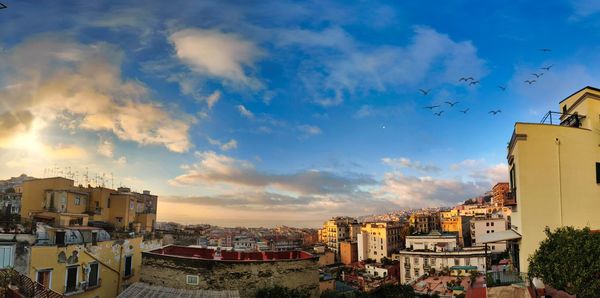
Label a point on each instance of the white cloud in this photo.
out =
(347, 67)
(121, 160)
(309, 130)
(106, 147)
(404, 162)
(217, 54)
(231, 144)
(212, 99)
(58, 79)
(245, 112)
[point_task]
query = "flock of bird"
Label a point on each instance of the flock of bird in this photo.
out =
(470, 81)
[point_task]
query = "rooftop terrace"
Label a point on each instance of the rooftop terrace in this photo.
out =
(211, 254)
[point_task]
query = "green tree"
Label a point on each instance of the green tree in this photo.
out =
(569, 260)
(281, 292)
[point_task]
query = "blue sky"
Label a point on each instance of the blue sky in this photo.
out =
(277, 112)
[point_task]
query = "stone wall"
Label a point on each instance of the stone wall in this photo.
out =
(245, 276)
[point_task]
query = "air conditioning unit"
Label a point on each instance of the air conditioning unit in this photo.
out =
(83, 284)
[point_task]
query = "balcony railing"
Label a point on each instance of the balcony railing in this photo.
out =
(506, 278)
(24, 286)
(95, 211)
(511, 199)
(563, 119)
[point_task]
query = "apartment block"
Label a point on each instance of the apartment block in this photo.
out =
(337, 230)
(554, 169)
(488, 225)
(377, 240)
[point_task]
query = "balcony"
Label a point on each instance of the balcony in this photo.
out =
(562, 119)
(94, 211)
(511, 198)
(147, 211)
(500, 278)
(23, 286)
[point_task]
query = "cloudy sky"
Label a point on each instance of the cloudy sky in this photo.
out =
(277, 112)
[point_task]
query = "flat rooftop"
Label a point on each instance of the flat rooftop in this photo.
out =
(211, 254)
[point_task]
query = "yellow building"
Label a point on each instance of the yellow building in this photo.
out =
(337, 230)
(88, 266)
(555, 173)
(377, 240)
(58, 202)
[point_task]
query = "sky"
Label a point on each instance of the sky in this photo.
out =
(267, 113)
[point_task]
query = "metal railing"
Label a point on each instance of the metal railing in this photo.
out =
(563, 119)
(505, 278)
(24, 285)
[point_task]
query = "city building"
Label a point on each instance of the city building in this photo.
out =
(554, 174)
(57, 201)
(425, 222)
(337, 230)
(488, 225)
(348, 252)
(452, 222)
(500, 194)
(377, 240)
(437, 252)
(190, 268)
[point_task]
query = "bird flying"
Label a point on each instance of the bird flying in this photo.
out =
(438, 113)
(473, 83)
(425, 92)
(547, 68)
(503, 88)
(465, 111)
(2, 6)
(431, 107)
(537, 75)
(495, 112)
(529, 81)
(546, 50)
(451, 103)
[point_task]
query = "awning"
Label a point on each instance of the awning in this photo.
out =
(500, 236)
(463, 268)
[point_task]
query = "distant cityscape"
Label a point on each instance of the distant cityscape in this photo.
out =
(59, 238)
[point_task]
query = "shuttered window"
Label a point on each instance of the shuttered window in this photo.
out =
(6, 256)
(598, 172)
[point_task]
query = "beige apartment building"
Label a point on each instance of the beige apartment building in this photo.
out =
(488, 225)
(377, 240)
(59, 202)
(337, 230)
(554, 174)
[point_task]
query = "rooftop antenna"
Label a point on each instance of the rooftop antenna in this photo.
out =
(103, 178)
(86, 176)
(112, 180)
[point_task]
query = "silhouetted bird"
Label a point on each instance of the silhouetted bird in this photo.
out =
(451, 103)
(465, 111)
(495, 112)
(2, 6)
(431, 107)
(503, 88)
(547, 68)
(473, 83)
(546, 50)
(537, 75)
(425, 92)
(529, 82)
(438, 113)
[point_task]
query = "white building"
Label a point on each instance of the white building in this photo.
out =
(376, 270)
(244, 243)
(488, 225)
(437, 252)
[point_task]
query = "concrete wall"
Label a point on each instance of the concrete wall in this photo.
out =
(246, 277)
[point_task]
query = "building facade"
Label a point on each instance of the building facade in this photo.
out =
(425, 222)
(555, 173)
(377, 240)
(199, 268)
(488, 225)
(337, 230)
(348, 252)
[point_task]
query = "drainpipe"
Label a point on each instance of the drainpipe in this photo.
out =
(557, 141)
(120, 261)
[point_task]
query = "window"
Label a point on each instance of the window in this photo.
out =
(108, 203)
(456, 262)
(60, 238)
(94, 275)
(492, 224)
(77, 200)
(44, 277)
(191, 279)
(598, 172)
(128, 266)
(6, 256)
(71, 282)
(487, 224)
